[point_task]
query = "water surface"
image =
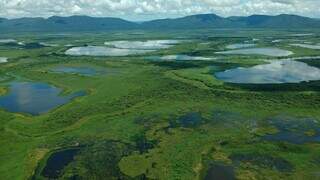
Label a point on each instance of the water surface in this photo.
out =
(294, 130)
(181, 58)
(86, 71)
(143, 45)
(48, 44)
(3, 60)
(276, 72)
(8, 41)
(34, 98)
(275, 52)
(57, 162)
(220, 172)
(103, 51)
(239, 46)
(309, 46)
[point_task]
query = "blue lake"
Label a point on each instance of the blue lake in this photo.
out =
(276, 72)
(34, 98)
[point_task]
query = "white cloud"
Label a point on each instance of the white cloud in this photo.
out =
(149, 9)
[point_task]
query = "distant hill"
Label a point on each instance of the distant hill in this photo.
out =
(86, 23)
(194, 21)
(280, 21)
(72, 23)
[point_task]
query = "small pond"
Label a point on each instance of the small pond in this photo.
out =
(276, 72)
(57, 162)
(220, 172)
(34, 98)
(274, 52)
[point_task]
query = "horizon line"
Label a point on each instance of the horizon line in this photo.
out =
(84, 15)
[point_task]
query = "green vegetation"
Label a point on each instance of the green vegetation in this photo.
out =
(151, 119)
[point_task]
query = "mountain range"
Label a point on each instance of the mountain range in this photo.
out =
(86, 23)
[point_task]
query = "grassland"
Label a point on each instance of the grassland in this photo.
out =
(129, 125)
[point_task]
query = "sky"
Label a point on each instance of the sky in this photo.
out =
(141, 10)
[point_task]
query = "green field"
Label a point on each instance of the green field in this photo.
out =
(133, 122)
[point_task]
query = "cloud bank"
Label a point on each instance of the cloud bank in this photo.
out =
(151, 9)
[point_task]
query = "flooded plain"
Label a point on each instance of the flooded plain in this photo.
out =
(276, 72)
(34, 98)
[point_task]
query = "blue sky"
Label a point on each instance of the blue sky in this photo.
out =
(140, 10)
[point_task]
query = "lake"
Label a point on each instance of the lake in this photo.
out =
(57, 162)
(274, 52)
(180, 58)
(276, 72)
(308, 46)
(239, 46)
(34, 98)
(3, 59)
(8, 41)
(143, 45)
(86, 71)
(103, 51)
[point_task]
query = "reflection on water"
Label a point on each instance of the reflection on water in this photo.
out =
(143, 45)
(3, 59)
(180, 58)
(103, 51)
(239, 46)
(309, 46)
(275, 52)
(34, 98)
(277, 72)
